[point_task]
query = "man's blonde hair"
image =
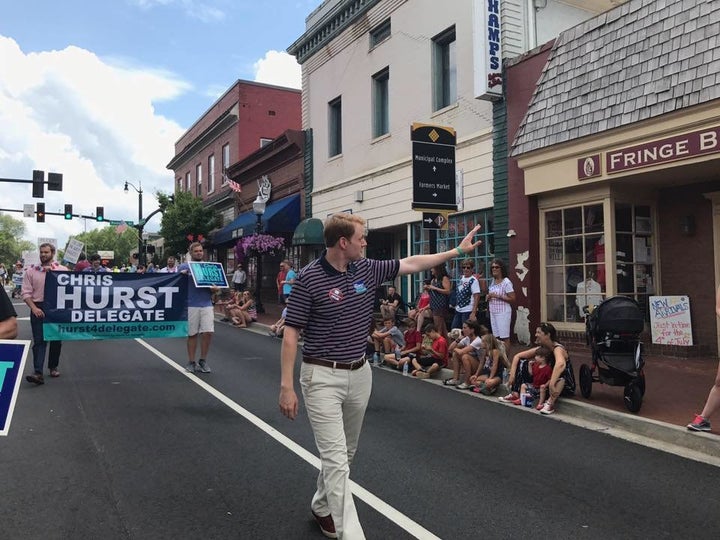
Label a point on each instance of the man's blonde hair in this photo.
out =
(340, 226)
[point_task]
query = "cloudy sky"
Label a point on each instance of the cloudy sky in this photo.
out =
(101, 90)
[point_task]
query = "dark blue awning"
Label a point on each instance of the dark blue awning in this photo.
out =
(280, 217)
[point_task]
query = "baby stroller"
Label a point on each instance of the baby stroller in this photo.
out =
(613, 331)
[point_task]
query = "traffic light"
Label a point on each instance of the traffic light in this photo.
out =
(54, 181)
(40, 212)
(68, 211)
(38, 184)
(100, 214)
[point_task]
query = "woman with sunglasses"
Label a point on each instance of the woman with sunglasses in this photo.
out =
(500, 298)
(468, 295)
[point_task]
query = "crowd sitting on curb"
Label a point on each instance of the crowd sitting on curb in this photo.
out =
(562, 378)
(387, 339)
(489, 373)
(433, 355)
(465, 354)
(245, 312)
(412, 348)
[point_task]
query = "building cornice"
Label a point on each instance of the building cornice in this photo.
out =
(219, 126)
(327, 28)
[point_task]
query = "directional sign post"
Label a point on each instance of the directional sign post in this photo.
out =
(433, 151)
(434, 220)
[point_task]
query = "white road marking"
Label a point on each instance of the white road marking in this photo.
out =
(391, 513)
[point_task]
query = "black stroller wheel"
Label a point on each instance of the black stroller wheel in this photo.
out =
(641, 382)
(633, 397)
(585, 381)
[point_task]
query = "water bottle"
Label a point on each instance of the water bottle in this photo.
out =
(406, 368)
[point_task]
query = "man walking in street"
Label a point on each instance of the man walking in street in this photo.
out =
(201, 315)
(171, 267)
(332, 300)
(33, 291)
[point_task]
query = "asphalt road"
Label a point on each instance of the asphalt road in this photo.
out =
(126, 445)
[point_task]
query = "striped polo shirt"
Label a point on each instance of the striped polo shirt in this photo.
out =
(335, 308)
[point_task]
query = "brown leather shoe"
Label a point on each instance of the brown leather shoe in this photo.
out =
(326, 524)
(35, 378)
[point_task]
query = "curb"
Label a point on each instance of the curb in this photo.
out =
(645, 431)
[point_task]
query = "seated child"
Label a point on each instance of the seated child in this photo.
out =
(488, 376)
(541, 372)
(423, 308)
(465, 352)
(412, 348)
(388, 338)
(433, 357)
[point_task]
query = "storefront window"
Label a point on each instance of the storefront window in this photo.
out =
(574, 261)
(458, 227)
(634, 241)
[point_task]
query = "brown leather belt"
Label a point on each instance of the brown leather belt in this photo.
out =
(357, 364)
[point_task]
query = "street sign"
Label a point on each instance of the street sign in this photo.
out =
(434, 220)
(433, 163)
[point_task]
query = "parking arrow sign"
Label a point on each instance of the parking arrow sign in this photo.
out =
(434, 220)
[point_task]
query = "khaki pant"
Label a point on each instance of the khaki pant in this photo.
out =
(335, 400)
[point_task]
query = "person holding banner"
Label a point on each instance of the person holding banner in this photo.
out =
(8, 316)
(33, 291)
(201, 314)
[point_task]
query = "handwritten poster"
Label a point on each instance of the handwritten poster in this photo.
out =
(670, 320)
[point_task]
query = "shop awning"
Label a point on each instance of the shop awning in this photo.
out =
(308, 233)
(280, 217)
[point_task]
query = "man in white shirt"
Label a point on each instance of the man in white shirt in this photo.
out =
(171, 267)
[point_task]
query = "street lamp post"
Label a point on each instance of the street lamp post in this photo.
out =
(139, 225)
(259, 210)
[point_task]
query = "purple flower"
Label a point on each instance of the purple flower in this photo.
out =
(258, 243)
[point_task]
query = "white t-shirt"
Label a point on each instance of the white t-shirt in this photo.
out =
(474, 289)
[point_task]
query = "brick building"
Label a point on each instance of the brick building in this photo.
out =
(618, 153)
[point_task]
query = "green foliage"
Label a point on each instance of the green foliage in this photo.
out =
(185, 216)
(108, 239)
(11, 240)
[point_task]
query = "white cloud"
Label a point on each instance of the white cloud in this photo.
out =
(279, 68)
(196, 10)
(71, 112)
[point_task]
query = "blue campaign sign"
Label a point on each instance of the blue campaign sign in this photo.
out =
(12, 364)
(208, 274)
(109, 305)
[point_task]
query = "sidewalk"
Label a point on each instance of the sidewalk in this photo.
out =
(676, 389)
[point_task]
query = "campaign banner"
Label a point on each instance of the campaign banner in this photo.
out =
(110, 305)
(13, 353)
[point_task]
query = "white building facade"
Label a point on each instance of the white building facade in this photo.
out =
(372, 68)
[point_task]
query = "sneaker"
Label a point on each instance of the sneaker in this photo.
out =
(326, 524)
(540, 406)
(510, 398)
(191, 367)
(203, 367)
(35, 378)
(548, 408)
(699, 424)
(451, 382)
(463, 386)
(485, 391)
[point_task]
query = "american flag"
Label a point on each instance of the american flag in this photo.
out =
(237, 188)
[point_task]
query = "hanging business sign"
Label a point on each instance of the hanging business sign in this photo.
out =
(487, 57)
(433, 167)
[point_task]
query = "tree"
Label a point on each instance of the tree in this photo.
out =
(109, 239)
(185, 216)
(12, 243)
